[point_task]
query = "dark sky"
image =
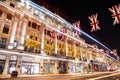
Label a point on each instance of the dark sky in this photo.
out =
(74, 10)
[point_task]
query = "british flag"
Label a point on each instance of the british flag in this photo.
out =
(63, 30)
(77, 28)
(94, 23)
(116, 14)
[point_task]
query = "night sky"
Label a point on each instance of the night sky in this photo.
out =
(74, 10)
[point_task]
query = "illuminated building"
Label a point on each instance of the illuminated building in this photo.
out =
(32, 42)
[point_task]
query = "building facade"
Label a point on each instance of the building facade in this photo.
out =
(34, 40)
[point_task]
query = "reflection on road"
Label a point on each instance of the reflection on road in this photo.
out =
(114, 76)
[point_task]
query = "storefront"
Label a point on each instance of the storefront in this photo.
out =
(30, 65)
(72, 67)
(48, 67)
(12, 64)
(2, 63)
(63, 65)
(78, 68)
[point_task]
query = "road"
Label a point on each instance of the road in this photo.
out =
(114, 76)
(94, 76)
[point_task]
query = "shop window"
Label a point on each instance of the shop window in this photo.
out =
(29, 24)
(3, 0)
(12, 64)
(30, 65)
(2, 63)
(18, 0)
(9, 16)
(1, 13)
(3, 42)
(12, 5)
(6, 29)
(34, 25)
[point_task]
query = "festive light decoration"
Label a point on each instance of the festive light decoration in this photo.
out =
(52, 35)
(63, 30)
(116, 14)
(94, 22)
(77, 27)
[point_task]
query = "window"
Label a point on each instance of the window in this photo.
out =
(47, 32)
(12, 64)
(38, 27)
(17, 0)
(6, 29)
(2, 63)
(34, 25)
(12, 5)
(29, 24)
(9, 16)
(1, 13)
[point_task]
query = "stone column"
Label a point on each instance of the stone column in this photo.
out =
(18, 32)
(42, 40)
(41, 66)
(68, 68)
(56, 43)
(66, 45)
(1, 28)
(23, 32)
(6, 65)
(81, 53)
(13, 33)
(56, 67)
(74, 50)
(18, 64)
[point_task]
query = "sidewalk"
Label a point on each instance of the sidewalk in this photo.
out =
(57, 75)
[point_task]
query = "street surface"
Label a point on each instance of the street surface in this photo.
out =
(90, 76)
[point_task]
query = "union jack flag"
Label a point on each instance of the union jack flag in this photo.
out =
(52, 35)
(116, 14)
(63, 30)
(94, 22)
(77, 27)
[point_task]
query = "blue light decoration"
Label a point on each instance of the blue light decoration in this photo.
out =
(44, 10)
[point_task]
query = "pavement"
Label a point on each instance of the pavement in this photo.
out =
(72, 76)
